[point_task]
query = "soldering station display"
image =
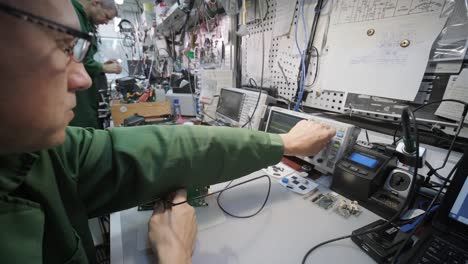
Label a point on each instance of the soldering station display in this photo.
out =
(363, 160)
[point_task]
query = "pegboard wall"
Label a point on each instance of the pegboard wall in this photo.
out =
(281, 62)
(282, 58)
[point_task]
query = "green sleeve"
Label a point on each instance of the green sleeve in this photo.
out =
(123, 167)
(92, 66)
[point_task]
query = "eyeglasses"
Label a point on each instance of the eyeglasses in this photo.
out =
(81, 41)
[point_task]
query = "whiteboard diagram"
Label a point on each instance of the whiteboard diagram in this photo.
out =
(356, 11)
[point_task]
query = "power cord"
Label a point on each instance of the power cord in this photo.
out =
(411, 192)
(249, 121)
(402, 209)
(423, 106)
(261, 81)
(227, 188)
(402, 246)
(247, 216)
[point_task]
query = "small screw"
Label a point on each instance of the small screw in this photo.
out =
(405, 43)
(370, 32)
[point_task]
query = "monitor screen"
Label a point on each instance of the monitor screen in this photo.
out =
(281, 123)
(459, 211)
(230, 103)
(363, 160)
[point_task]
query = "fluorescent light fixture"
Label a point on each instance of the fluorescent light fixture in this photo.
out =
(119, 2)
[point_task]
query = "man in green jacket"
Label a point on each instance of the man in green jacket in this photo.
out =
(91, 14)
(53, 178)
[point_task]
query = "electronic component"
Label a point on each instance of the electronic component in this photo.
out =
(279, 170)
(237, 106)
(197, 192)
(326, 201)
(347, 208)
(281, 121)
(316, 198)
(298, 184)
(360, 175)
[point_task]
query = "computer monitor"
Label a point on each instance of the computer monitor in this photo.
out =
(459, 210)
(230, 104)
(454, 209)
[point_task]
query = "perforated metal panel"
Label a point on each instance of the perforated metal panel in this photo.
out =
(282, 65)
(283, 59)
(327, 100)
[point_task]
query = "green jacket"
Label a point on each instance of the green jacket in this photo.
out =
(47, 197)
(86, 110)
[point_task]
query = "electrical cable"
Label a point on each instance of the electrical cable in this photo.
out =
(206, 114)
(151, 67)
(398, 214)
(246, 216)
(402, 246)
(459, 128)
(411, 193)
(261, 81)
(225, 189)
(301, 53)
(432, 170)
(317, 55)
(249, 121)
(303, 68)
(423, 106)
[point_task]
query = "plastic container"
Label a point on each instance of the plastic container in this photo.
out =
(177, 114)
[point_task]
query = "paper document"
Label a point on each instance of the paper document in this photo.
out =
(381, 48)
(211, 83)
(457, 88)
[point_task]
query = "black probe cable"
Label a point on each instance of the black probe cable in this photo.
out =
(230, 187)
(397, 215)
(459, 128)
(402, 246)
(422, 106)
(445, 182)
(246, 216)
(261, 82)
(253, 82)
(434, 171)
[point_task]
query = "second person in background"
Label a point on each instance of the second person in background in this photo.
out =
(91, 14)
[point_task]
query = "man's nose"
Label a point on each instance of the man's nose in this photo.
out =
(78, 78)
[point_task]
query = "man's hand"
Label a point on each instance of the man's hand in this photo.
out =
(172, 231)
(112, 66)
(307, 138)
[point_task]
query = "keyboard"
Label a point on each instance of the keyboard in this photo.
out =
(443, 252)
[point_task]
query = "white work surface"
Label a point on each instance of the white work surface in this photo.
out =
(282, 233)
